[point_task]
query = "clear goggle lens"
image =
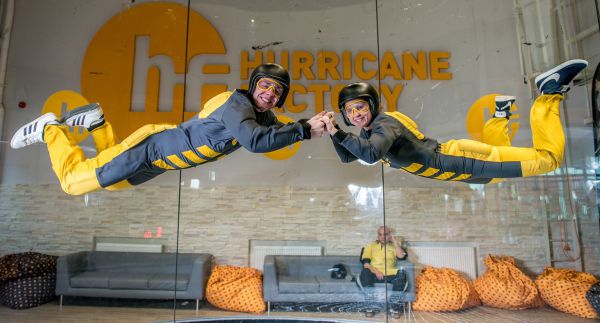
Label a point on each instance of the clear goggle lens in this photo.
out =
(359, 107)
(266, 84)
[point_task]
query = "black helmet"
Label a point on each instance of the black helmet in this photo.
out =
(360, 90)
(338, 271)
(274, 71)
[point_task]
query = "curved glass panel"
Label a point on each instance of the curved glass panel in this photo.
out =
(294, 213)
(546, 220)
(116, 249)
(183, 199)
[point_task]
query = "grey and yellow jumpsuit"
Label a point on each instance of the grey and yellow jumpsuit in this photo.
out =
(396, 140)
(227, 122)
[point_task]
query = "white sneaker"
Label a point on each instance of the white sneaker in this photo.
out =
(32, 132)
(503, 104)
(88, 116)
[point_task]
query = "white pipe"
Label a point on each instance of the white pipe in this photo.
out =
(542, 42)
(585, 34)
(518, 14)
(9, 12)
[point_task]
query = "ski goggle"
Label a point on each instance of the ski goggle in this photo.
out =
(266, 84)
(358, 106)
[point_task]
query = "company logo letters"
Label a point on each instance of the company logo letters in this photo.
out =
(135, 66)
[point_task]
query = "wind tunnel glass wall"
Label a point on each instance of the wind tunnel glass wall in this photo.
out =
(299, 201)
(116, 248)
(544, 220)
(284, 219)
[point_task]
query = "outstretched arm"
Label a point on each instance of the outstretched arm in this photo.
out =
(267, 135)
(332, 128)
(369, 148)
(317, 125)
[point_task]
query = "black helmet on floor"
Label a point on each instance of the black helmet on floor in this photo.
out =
(360, 90)
(274, 71)
(338, 271)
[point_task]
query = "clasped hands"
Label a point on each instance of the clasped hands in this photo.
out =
(322, 122)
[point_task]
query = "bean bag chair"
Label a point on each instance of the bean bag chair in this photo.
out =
(27, 279)
(593, 296)
(505, 286)
(443, 290)
(236, 289)
(566, 289)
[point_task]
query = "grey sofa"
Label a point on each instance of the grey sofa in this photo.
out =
(140, 275)
(302, 279)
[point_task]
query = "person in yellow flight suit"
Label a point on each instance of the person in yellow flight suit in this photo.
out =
(396, 140)
(230, 120)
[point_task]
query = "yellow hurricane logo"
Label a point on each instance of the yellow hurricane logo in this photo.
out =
(107, 74)
(135, 67)
(63, 101)
(286, 152)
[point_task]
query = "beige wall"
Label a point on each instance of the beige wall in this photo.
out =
(509, 218)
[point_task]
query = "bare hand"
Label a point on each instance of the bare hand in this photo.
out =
(318, 116)
(330, 122)
(317, 126)
(378, 274)
(330, 125)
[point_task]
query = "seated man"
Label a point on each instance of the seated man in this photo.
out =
(379, 261)
(379, 265)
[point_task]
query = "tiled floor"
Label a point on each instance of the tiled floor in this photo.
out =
(51, 313)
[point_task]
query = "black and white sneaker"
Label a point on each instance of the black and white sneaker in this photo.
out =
(32, 132)
(88, 116)
(503, 104)
(556, 80)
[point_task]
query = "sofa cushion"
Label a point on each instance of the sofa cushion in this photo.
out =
(338, 286)
(317, 266)
(129, 281)
(167, 282)
(298, 284)
(91, 279)
(132, 262)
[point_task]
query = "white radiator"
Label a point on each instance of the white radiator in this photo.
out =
(258, 253)
(131, 247)
(462, 259)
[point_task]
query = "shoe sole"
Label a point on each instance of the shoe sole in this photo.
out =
(79, 110)
(501, 98)
(13, 140)
(559, 67)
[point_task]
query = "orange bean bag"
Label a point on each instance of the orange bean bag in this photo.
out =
(565, 290)
(443, 290)
(505, 286)
(236, 289)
